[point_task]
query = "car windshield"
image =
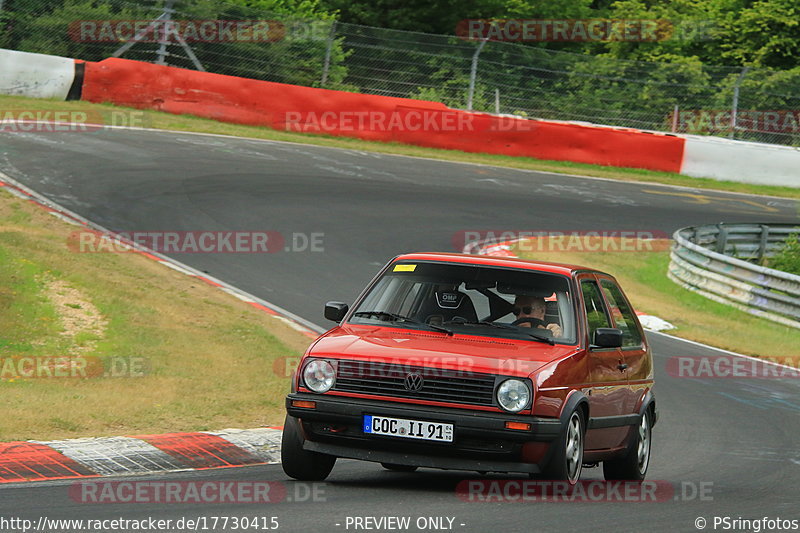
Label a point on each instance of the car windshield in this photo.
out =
(472, 299)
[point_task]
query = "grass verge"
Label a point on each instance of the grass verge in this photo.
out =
(643, 276)
(166, 121)
(203, 359)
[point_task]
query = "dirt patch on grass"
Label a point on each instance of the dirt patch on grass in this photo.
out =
(83, 323)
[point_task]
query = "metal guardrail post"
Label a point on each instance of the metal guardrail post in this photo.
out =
(762, 243)
(722, 238)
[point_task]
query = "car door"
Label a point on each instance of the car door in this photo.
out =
(607, 389)
(634, 346)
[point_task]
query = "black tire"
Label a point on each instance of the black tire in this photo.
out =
(398, 468)
(566, 462)
(298, 463)
(633, 466)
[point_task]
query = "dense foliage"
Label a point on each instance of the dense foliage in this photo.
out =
(787, 258)
(761, 33)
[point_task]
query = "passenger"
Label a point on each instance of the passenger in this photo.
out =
(530, 312)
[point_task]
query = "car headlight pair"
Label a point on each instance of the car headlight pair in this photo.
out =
(513, 395)
(319, 375)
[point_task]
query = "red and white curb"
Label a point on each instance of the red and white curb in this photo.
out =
(140, 454)
(505, 249)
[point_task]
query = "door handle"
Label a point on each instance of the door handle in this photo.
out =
(622, 366)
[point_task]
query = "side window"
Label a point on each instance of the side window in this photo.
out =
(595, 310)
(622, 313)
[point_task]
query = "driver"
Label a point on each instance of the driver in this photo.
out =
(532, 310)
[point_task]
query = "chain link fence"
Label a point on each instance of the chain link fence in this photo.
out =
(497, 77)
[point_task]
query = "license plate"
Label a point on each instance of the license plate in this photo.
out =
(408, 429)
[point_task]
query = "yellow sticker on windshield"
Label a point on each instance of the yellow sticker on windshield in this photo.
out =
(404, 268)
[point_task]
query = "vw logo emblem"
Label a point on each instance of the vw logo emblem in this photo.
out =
(413, 382)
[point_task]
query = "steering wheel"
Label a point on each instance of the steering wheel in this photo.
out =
(534, 322)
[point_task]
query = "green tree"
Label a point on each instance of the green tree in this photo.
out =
(764, 34)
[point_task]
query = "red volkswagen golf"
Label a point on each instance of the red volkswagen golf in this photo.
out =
(477, 363)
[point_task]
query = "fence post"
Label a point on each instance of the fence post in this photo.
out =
(327, 64)
(675, 119)
(473, 72)
(162, 49)
(735, 109)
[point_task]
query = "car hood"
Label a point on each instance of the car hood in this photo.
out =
(433, 349)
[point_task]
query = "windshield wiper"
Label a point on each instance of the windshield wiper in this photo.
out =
(542, 338)
(400, 318)
(486, 323)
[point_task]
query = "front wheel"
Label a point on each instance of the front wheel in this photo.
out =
(633, 466)
(566, 462)
(298, 463)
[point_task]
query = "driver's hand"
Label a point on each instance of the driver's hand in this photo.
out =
(555, 328)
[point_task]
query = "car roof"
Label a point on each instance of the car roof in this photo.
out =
(508, 262)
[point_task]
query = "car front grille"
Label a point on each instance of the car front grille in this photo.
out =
(386, 379)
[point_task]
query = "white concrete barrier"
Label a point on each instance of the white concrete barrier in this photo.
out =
(35, 75)
(746, 162)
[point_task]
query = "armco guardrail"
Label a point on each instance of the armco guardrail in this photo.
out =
(714, 261)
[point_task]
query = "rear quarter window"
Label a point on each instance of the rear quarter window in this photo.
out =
(622, 314)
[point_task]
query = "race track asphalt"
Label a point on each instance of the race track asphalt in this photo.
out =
(735, 438)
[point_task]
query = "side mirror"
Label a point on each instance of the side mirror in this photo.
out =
(335, 311)
(607, 338)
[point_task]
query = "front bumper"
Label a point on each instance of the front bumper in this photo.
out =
(480, 442)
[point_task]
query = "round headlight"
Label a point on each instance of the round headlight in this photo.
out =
(319, 375)
(513, 395)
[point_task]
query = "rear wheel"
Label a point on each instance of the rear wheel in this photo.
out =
(634, 465)
(299, 463)
(398, 468)
(567, 460)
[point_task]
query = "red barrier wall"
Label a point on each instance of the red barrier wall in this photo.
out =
(370, 117)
